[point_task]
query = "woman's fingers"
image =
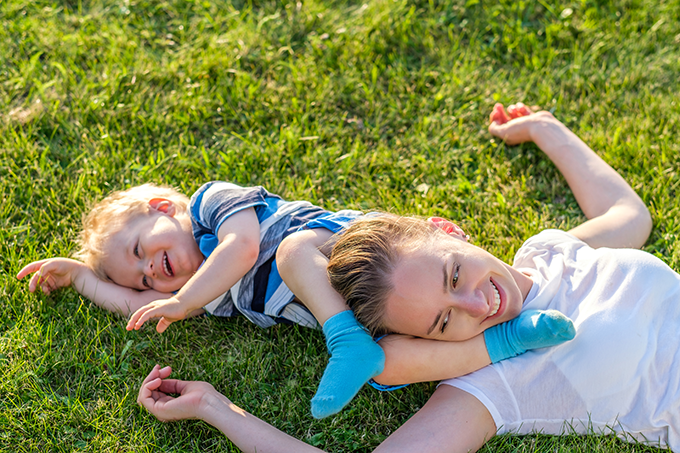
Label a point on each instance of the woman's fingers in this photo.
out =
(498, 114)
(164, 372)
(152, 388)
(518, 110)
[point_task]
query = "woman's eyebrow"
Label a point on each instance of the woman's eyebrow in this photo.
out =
(445, 272)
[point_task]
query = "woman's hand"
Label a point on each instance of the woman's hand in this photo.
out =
(517, 124)
(200, 400)
(155, 390)
(51, 274)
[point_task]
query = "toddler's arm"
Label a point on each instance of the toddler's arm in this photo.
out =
(355, 357)
(54, 273)
(410, 359)
(239, 246)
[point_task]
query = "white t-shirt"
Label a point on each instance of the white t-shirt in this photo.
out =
(621, 373)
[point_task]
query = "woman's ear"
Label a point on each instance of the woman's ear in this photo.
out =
(448, 227)
(163, 205)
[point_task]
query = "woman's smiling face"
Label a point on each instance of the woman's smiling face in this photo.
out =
(447, 289)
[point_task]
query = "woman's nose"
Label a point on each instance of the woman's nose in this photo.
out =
(474, 303)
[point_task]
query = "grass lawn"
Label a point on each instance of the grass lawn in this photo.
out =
(376, 105)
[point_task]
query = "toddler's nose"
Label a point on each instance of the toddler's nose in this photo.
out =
(149, 270)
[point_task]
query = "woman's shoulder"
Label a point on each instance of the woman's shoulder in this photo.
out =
(551, 237)
(547, 243)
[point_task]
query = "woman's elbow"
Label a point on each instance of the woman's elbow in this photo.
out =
(642, 222)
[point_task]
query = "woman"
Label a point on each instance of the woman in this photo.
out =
(618, 374)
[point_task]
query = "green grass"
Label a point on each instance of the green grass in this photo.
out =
(379, 105)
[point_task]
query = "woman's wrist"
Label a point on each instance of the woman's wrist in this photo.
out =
(215, 408)
(545, 126)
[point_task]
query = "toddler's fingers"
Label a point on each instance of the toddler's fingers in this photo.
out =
(36, 280)
(162, 325)
(137, 319)
(30, 268)
(133, 320)
(146, 315)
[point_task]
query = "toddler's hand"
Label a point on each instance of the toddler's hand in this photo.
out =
(169, 310)
(514, 127)
(51, 274)
(153, 395)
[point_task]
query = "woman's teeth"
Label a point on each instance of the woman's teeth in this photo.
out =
(496, 302)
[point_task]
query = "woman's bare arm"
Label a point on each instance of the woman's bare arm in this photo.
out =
(617, 217)
(451, 421)
(410, 359)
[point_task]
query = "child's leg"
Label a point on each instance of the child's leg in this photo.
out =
(355, 357)
(532, 329)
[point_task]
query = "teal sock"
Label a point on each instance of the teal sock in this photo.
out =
(532, 329)
(355, 358)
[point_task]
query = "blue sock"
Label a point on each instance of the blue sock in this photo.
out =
(532, 329)
(355, 358)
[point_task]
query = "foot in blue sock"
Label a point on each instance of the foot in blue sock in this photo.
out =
(532, 329)
(355, 358)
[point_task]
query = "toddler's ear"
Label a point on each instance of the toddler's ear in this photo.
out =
(448, 227)
(163, 205)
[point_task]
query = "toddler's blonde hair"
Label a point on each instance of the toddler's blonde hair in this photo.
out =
(110, 215)
(363, 260)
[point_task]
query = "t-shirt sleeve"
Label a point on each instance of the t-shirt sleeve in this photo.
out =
(214, 203)
(544, 241)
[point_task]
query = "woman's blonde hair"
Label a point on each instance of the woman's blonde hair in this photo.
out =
(110, 215)
(363, 260)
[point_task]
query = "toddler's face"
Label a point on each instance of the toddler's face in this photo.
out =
(153, 251)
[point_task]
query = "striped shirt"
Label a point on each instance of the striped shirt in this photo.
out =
(260, 295)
